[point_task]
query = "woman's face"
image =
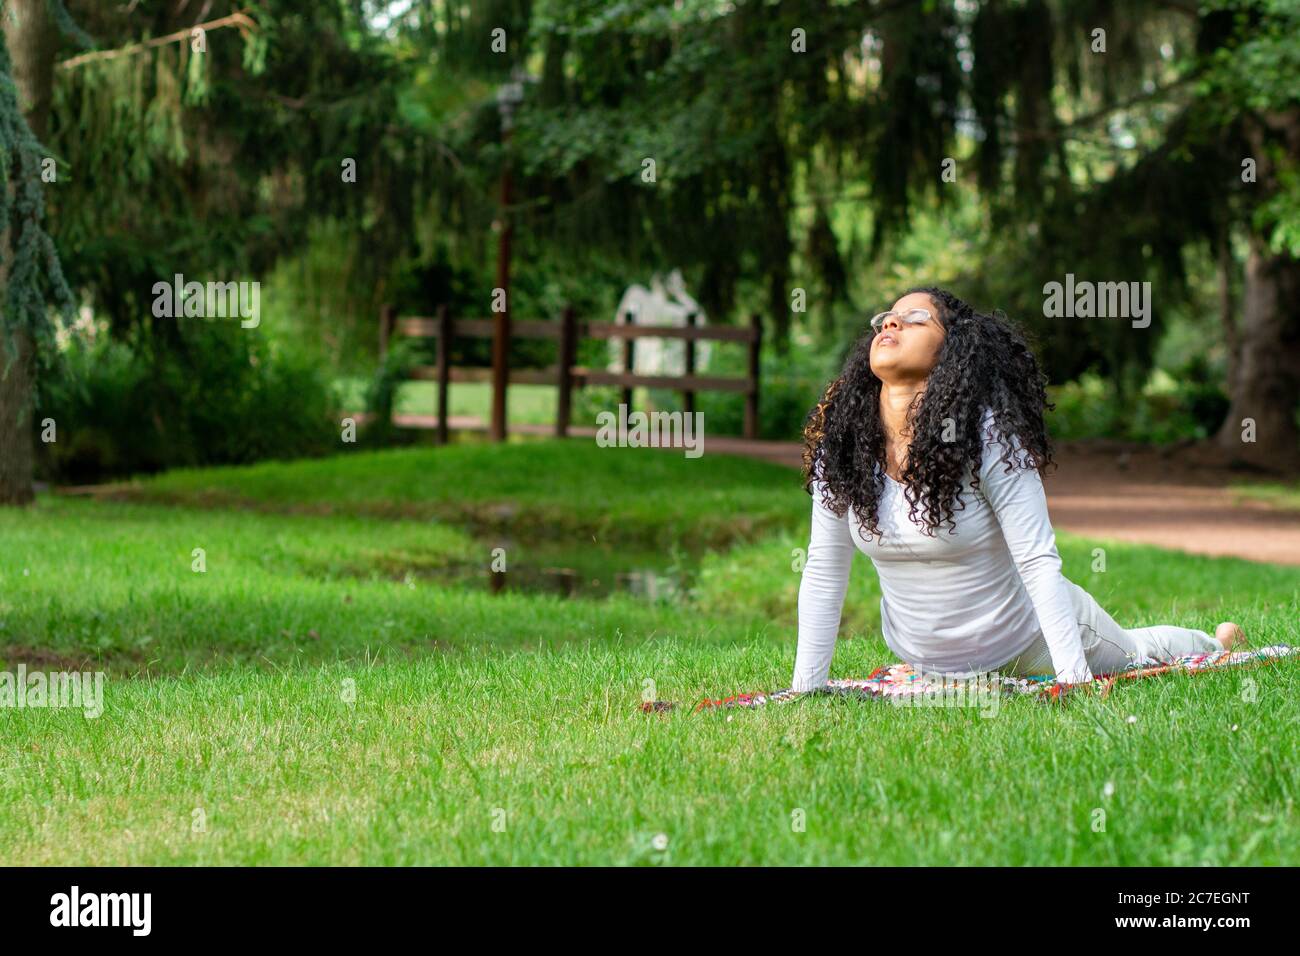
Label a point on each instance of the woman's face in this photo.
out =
(903, 352)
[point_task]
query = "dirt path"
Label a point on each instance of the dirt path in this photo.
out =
(1173, 499)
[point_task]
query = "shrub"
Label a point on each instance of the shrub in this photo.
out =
(1167, 409)
(381, 394)
(219, 396)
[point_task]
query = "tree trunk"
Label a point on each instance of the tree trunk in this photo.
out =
(1227, 267)
(16, 388)
(30, 37)
(1264, 382)
(1266, 379)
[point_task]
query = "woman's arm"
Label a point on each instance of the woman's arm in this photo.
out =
(821, 593)
(1021, 507)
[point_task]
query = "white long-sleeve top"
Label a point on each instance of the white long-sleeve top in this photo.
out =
(960, 602)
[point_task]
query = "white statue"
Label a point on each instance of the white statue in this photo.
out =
(664, 303)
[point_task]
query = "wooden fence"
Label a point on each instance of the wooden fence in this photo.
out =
(567, 376)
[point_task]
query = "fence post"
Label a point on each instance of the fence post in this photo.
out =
(385, 329)
(500, 369)
(688, 395)
(567, 355)
(443, 369)
(751, 397)
(629, 360)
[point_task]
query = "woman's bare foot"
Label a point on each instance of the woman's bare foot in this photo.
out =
(1229, 635)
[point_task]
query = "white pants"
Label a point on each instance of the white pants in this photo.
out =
(1108, 647)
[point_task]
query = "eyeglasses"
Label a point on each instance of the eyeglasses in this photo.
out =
(910, 317)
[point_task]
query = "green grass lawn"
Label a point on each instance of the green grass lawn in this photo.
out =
(1283, 495)
(323, 693)
(564, 490)
(528, 404)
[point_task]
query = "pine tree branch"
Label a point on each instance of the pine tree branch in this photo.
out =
(236, 19)
(1087, 119)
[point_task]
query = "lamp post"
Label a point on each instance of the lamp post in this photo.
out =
(509, 96)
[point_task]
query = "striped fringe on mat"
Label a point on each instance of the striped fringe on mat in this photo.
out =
(897, 682)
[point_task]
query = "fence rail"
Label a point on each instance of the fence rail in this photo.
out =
(567, 376)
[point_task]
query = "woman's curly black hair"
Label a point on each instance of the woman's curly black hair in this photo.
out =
(984, 363)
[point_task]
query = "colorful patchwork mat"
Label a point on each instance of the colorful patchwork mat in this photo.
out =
(897, 682)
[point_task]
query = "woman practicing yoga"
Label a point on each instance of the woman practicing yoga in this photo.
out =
(927, 454)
